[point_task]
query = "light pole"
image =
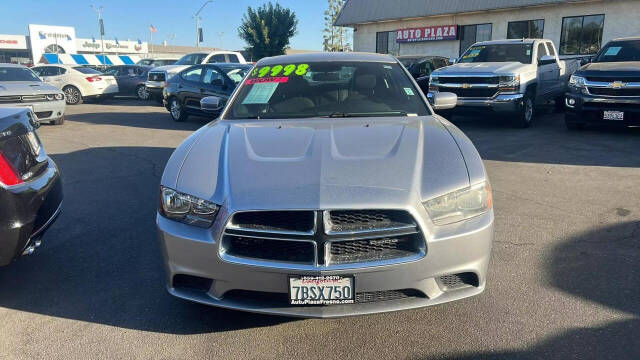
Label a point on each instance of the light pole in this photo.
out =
(198, 18)
(100, 26)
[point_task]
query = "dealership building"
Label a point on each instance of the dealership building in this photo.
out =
(448, 27)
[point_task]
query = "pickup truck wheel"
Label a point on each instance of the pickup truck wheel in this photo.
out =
(526, 114)
(176, 110)
(72, 95)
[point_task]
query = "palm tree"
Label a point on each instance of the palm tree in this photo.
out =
(267, 30)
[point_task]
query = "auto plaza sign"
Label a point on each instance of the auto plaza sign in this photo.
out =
(428, 33)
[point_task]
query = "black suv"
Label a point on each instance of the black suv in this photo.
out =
(183, 92)
(421, 66)
(30, 185)
(607, 90)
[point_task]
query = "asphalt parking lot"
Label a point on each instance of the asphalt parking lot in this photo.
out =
(563, 281)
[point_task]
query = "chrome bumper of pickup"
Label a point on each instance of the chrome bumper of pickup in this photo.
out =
(498, 103)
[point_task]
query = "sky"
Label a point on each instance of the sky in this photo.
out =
(130, 19)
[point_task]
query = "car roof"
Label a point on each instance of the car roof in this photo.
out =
(327, 56)
(234, 65)
(510, 41)
(630, 38)
(12, 65)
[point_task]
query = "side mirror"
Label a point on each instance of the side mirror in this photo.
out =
(452, 61)
(444, 101)
(546, 60)
(211, 104)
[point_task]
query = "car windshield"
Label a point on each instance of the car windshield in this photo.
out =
(618, 51)
(191, 59)
(236, 74)
(407, 62)
(86, 70)
(17, 74)
(145, 62)
(498, 53)
(327, 89)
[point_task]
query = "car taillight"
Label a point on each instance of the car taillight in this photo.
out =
(8, 175)
(93, 78)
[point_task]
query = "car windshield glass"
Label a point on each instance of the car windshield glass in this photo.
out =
(191, 59)
(236, 74)
(86, 70)
(498, 53)
(327, 89)
(17, 74)
(620, 51)
(145, 62)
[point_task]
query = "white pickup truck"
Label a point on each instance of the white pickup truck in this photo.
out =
(506, 76)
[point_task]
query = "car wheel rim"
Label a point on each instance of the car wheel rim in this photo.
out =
(71, 95)
(143, 93)
(175, 109)
(528, 110)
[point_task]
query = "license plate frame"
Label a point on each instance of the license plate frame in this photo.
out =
(613, 115)
(322, 284)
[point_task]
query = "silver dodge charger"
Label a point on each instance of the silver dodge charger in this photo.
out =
(326, 187)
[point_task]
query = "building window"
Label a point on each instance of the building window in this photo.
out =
(386, 43)
(471, 34)
(528, 29)
(581, 35)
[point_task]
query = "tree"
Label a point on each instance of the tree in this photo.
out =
(267, 30)
(335, 38)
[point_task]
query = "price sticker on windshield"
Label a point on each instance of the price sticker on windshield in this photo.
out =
(276, 71)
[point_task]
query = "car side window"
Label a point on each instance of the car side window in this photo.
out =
(233, 58)
(192, 74)
(112, 71)
(218, 58)
(552, 52)
(212, 77)
(542, 51)
(139, 71)
(37, 70)
(62, 71)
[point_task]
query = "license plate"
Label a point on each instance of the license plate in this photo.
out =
(613, 115)
(321, 290)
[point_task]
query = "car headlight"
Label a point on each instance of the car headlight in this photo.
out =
(50, 97)
(186, 208)
(576, 81)
(509, 83)
(59, 96)
(460, 205)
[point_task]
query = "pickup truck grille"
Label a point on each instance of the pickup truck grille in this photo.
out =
(156, 76)
(493, 80)
(614, 92)
(322, 238)
(471, 92)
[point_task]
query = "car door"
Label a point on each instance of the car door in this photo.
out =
(128, 77)
(215, 83)
(556, 83)
(545, 73)
(190, 88)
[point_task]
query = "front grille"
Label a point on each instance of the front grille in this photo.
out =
(322, 238)
(353, 251)
(292, 251)
(614, 92)
(11, 99)
(468, 80)
(44, 114)
(32, 98)
(282, 299)
(471, 92)
(156, 76)
(608, 79)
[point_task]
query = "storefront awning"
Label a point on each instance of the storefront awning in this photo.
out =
(89, 59)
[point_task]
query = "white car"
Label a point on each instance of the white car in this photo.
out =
(158, 76)
(78, 82)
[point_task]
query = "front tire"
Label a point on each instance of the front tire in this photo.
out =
(177, 110)
(526, 114)
(72, 95)
(142, 93)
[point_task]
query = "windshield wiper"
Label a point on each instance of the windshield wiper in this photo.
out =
(366, 114)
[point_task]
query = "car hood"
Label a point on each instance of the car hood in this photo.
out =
(481, 68)
(611, 69)
(321, 163)
(170, 69)
(26, 88)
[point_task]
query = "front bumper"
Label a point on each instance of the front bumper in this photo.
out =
(44, 110)
(458, 248)
(27, 211)
(586, 108)
(155, 88)
(501, 103)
